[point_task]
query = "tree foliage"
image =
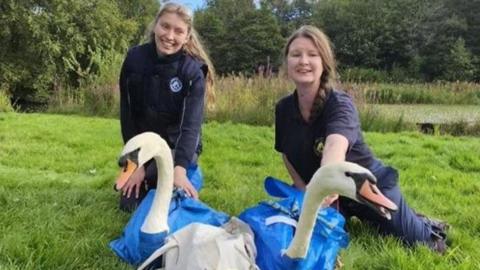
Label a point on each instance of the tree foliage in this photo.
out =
(239, 35)
(58, 44)
(47, 45)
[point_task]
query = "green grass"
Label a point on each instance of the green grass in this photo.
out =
(59, 211)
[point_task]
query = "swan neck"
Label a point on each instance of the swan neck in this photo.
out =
(156, 220)
(312, 204)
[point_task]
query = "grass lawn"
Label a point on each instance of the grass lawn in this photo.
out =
(58, 209)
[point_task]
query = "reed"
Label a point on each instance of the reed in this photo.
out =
(251, 100)
(5, 104)
(248, 100)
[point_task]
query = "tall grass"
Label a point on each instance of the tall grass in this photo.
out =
(5, 104)
(421, 93)
(248, 100)
(251, 100)
(371, 119)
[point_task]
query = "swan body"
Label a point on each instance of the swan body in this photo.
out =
(292, 245)
(159, 213)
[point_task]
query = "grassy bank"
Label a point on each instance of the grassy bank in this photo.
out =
(59, 210)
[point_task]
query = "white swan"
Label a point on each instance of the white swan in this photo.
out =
(149, 226)
(286, 248)
(346, 179)
(139, 150)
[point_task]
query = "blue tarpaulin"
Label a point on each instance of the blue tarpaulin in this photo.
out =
(274, 222)
(134, 247)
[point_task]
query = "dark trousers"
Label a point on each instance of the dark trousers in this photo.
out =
(131, 203)
(405, 224)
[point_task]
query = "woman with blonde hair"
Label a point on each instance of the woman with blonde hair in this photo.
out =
(318, 125)
(163, 85)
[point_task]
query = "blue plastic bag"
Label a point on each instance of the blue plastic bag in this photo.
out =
(274, 226)
(182, 212)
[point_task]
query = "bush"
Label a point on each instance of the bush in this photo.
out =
(46, 45)
(461, 128)
(97, 94)
(372, 120)
(364, 75)
(5, 105)
(102, 100)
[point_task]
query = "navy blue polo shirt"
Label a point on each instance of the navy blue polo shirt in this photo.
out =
(302, 142)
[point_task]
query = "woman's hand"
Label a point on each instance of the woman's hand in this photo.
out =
(299, 184)
(134, 183)
(180, 180)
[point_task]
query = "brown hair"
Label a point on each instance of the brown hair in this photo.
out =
(193, 47)
(329, 76)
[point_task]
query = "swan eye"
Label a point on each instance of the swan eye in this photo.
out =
(133, 156)
(348, 174)
(122, 162)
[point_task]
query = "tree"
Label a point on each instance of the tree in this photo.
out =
(469, 10)
(458, 64)
(290, 14)
(238, 35)
(212, 30)
(141, 12)
(47, 46)
(252, 43)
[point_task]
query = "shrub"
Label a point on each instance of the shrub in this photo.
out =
(5, 105)
(364, 75)
(44, 42)
(101, 100)
(461, 128)
(372, 120)
(97, 94)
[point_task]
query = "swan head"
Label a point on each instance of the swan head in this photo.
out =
(355, 182)
(138, 151)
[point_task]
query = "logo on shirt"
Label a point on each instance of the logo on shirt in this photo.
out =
(318, 147)
(175, 84)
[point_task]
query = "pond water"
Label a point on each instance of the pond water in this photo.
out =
(435, 114)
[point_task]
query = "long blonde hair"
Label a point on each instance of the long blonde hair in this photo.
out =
(328, 78)
(193, 47)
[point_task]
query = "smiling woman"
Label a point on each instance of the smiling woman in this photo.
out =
(171, 33)
(163, 85)
(318, 125)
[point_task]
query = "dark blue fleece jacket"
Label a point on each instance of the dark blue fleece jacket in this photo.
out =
(163, 95)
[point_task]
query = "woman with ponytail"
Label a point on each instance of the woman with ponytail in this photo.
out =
(318, 124)
(164, 87)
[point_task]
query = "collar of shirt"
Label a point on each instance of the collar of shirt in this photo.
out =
(296, 115)
(165, 59)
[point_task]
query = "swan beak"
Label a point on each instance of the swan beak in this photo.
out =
(373, 197)
(128, 167)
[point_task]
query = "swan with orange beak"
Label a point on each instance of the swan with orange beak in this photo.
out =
(134, 246)
(343, 178)
(286, 239)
